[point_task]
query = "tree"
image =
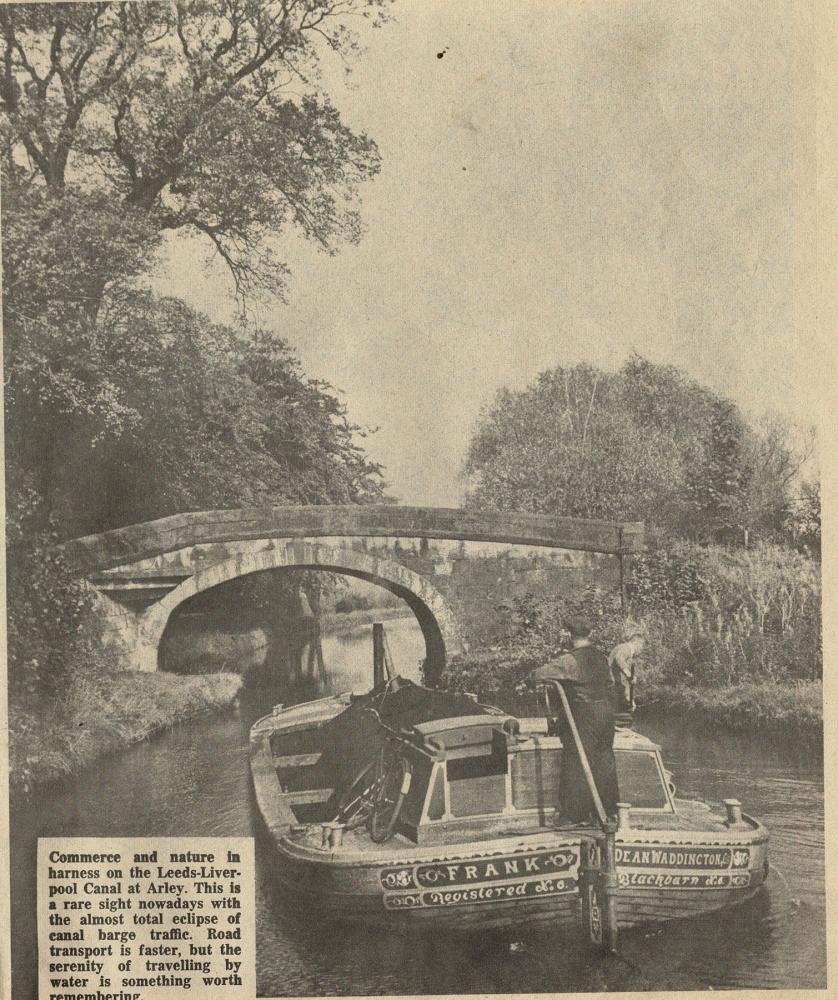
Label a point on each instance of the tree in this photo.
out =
(803, 517)
(646, 443)
(776, 453)
(582, 443)
(718, 486)
(121, 121)
(202, 115)
(165, 411)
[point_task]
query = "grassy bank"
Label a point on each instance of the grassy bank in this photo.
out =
(103, 713)
(754, 706)
(337, 623)
(732, 637)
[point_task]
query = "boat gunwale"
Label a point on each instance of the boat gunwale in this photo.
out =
(532, 727)
(517, 843)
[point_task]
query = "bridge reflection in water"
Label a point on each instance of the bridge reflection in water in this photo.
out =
(311, 665)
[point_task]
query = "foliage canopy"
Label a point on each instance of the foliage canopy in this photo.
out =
(646, 443)
(203, 115)
(157, 410)
(121, 121)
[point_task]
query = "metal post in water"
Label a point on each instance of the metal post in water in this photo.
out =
(377, 654)
(623, 816)
(733, 809)
(610, 885)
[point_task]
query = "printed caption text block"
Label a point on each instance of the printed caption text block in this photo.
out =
(145, 918)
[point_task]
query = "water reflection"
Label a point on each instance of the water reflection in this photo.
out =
(194, 781)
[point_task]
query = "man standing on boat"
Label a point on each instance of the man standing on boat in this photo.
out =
(586, 678)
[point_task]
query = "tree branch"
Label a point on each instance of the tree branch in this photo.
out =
(10, 91)
(236, 269)
(122, 153)
(228, 43)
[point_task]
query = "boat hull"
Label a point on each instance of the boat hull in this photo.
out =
(475, 887)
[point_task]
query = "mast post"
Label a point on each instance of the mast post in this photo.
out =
(377, 654)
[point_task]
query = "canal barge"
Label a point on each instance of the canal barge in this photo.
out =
(409, 806)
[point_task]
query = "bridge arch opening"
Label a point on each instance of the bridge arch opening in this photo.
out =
(433, 614)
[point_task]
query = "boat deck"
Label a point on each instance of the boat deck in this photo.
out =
(691, 817)
(532, 760)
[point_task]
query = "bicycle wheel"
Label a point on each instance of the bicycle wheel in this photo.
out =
(390, 794)
(357, 799)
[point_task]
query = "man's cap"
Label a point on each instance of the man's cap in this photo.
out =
(579, 626)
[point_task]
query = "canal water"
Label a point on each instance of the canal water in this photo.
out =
(194, 781)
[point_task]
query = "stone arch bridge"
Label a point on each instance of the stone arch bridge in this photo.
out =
(139, 574)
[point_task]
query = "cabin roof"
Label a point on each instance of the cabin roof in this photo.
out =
(624, 739)
(462, 727)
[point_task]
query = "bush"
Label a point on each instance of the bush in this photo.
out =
(352, 602)
(665, 579)
(535, 635)
(758, 618)
(47, 608)
(713, 618)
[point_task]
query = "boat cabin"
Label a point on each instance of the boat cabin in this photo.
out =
(478, 772)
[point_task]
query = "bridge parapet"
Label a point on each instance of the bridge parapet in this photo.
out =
(140, 541)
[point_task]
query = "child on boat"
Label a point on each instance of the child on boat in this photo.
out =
(621, 662)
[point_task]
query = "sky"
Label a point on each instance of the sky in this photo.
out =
(561, 182)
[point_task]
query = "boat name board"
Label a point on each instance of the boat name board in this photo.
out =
(670, 880)
(464, 895)
(635, 856)
(489, 869)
